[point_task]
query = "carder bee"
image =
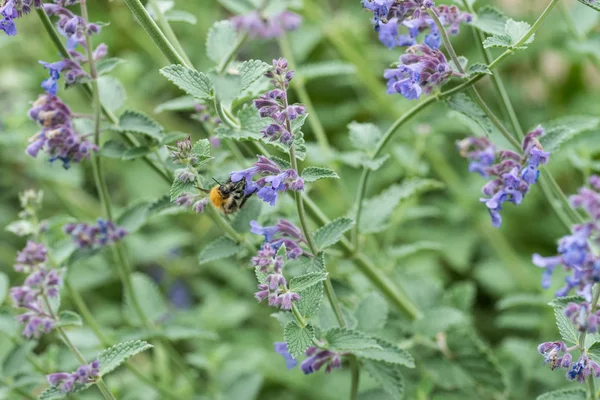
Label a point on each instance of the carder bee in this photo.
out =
(230, 196)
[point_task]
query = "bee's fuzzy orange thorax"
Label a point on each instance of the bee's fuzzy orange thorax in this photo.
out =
(215, 197)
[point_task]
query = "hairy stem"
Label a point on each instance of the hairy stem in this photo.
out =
(168, 31)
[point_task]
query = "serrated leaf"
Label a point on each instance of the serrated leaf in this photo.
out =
(562, 302)
(310, 300)
(149, 298)
(221, 41)
(21, 227)
(179, 188)
(112, 93)
(478, 68)
(388, 353)
(194, 83)
(113, 357)
(514, 32)
(476, 359)
(250, 71)
(325, 69)
(313, 264)
(173, 137)
(504, 41)
(463, 104)
(137, 122)
(221, 247)
(371, 313)
(561, 130)
(182, 103)
(54, 392)
(112, 149)
(283, 164)
(564, 394)
(374, 217)
(490, 20)
(364, 136)
(298, 339)
(201, 149)
(136, 152)
(227, 87)
(311, 174)
(594, 351)
(332, 232)
(69, 318)
(181, 16)
(594, 4)
(105, 65)
(4, 283)
(387, 375)
(439, 320)
(566, 329)
(303, 282)
(344, 339)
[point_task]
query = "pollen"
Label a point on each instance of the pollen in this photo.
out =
(215, 197)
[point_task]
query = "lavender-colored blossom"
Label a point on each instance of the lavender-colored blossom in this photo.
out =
(582, 317)
(34, 255)
(421, 69)
(103, 233)
(281, 348)
(283, 233)
(58, 137)
(266, 27)
(12, 9)
(583, 368)
(510, 174)
(556, 354)
(67, 382)
(74, 27)
(318, 357)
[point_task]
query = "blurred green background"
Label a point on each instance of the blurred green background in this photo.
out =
(490, 269)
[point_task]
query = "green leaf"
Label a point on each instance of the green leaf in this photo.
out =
(461, 296)
(298, 339)
(561, 130)
(192, 82)
(182, 103)
(408, 250)
(3, 286)
(521, 300)
(250, 71)
(371, 313)
(303, 282)
(221, 247)
(374, 217)
(310, 300)
(111, 92)
(387, 375)
(344, 339)
(113, 357)
(476, 359)
(201, 149)
(181, 16)
(565, 394)
(514, 31)
(358, 159)
(69, 318)
(113, 149)
(566, 329)
(594, 351)
(313, 264)
(179, 188)
(332, 232)
(503, 41)
(137, 122)
(490, 20)
(134, 216)
(239, 6)
(364, 136)
(311, 174)
(173, 137)
(325, 69)
(439, 320)
(227, 87)
(478, 68)
(54, 392)
(221, 41)
(283, 164)
(388, 353)
(463, 104)
(105, 65)
(15, 361)
(594, 4)
(21, 228)
(136, 152)
(250, 211)
(562, 302)
(149, 298)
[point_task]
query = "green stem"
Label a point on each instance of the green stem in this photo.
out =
(300, 88)
(581, 343)
(166, 27)
(159, 39)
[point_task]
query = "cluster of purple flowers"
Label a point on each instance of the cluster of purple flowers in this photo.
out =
(274, 104)
(389, 15)
(284, 232)
(182, 153)
(316, 358)
(421, 69)
(91, 236)
(272, 181)
(559, 356)
(259, 26)
(576, 251)
(40, 285)
(67, 382)
(274, 286)
(583, 317)
(12, 9)
(58, 137)
(511, 173)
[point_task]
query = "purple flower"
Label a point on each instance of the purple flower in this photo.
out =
(12, 9)
(259, 26)
(388, 33)
(281, 348)
(583, 368)
(582, 317)
(66, 381)
(552, 354)
(103, 233)
(317, 358)
(32, 256)
(284, 232)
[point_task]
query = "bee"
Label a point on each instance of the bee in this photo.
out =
(229, 197)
